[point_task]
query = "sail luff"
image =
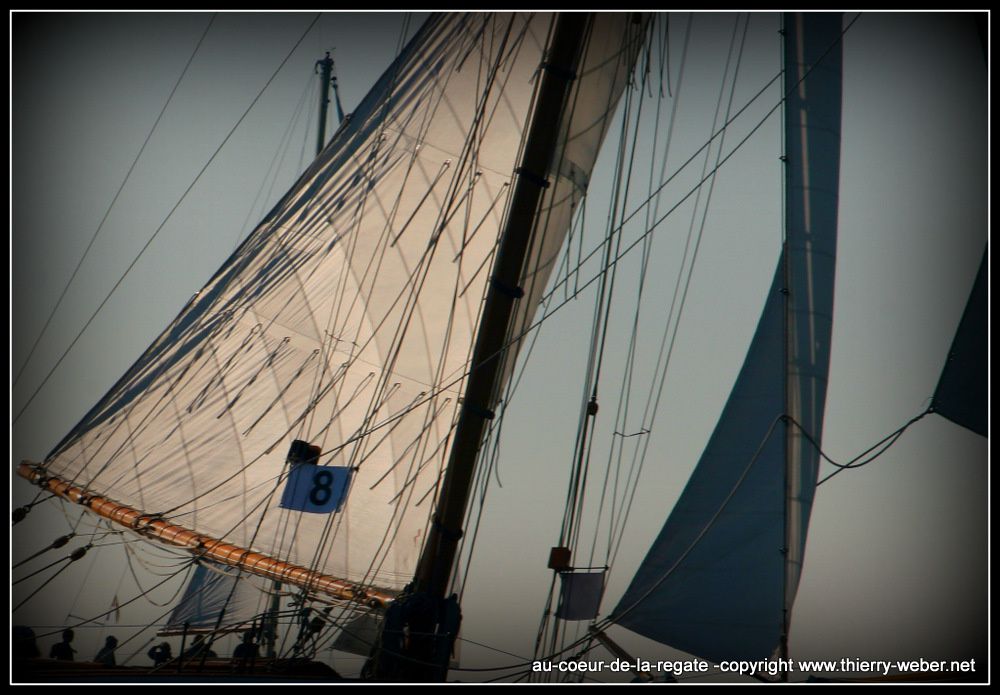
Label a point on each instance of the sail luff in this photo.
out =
(205, 546)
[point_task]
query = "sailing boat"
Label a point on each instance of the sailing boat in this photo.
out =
(463, 197)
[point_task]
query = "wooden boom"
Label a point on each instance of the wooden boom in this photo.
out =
(205, 546)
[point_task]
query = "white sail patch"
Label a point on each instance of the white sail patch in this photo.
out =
(347, 318)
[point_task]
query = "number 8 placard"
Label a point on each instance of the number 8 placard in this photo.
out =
(316, 489)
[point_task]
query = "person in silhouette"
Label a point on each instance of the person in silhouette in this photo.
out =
(62, 650)
(23, 645)
(107, 654)
(246, 653)
(199, 648)
(247, 649)
(160, 654)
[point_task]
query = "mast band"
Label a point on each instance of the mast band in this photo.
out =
(531, 176)
(484, 413)
(559, 71)
(502, 287)
(446, 532)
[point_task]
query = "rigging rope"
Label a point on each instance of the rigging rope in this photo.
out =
(57, 543)
(739, 145)
(648, 424)
(625, 393)
(571, 527)
(114, 200)
(890, 438)
(162, 224)
(281, 151)
(72, 557)
(458, 191)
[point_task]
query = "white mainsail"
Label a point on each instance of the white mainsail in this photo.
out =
(347, 317)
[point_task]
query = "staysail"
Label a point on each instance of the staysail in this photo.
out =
(346, 319)
(218, 599)
(720, 579)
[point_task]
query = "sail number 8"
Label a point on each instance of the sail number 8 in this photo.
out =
(316, 489)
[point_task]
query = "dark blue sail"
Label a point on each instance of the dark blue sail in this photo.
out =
(720, 579)
(961, 391)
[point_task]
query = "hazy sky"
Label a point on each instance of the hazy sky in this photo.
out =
(896, 559)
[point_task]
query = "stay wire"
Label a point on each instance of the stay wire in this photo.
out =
(277, 161)
(584, 434)
(111, 205)
(62, 569)
(586, 431)
(599, 332)
(708, 143)
(624, 395)
(694, 254)
(51, 546)
(162, 224)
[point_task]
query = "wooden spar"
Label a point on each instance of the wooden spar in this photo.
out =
(205, 546)
(557, 76)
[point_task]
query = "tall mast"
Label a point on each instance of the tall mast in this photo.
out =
(327, 79)
(785, 271)
(423, 613)
(812, 88)
(558, 73)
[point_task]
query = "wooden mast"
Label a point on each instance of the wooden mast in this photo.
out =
(423, 613)
(786, 369)
(325, 67)
(557, 76)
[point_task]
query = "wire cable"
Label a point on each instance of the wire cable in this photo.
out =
(853, 463)
(162, 224)
(114, 200)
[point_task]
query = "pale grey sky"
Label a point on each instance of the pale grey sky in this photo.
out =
(896, 560)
